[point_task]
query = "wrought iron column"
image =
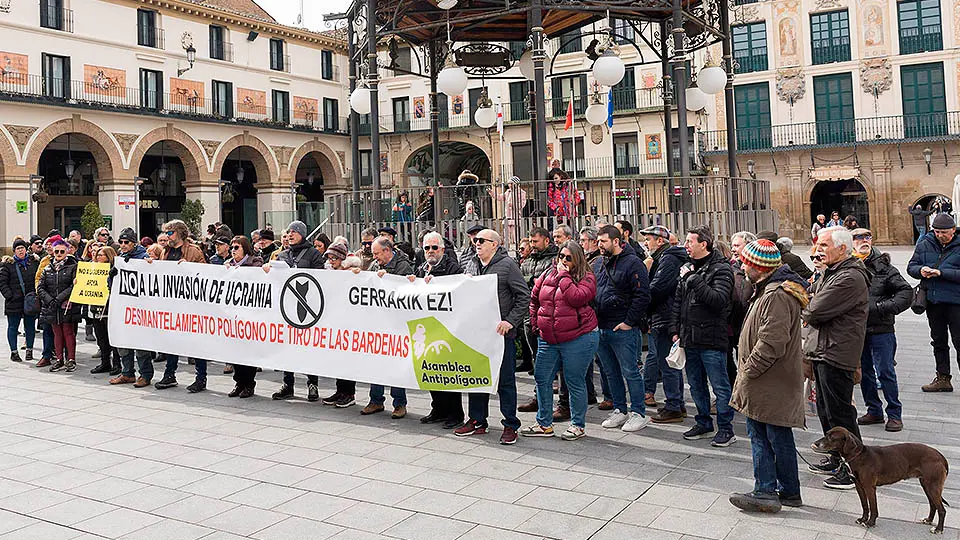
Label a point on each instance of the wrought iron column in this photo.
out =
(354, 119)
(680, 72)
(732, 198)
(372, 78)
(539, 55)
(435, 63)
(532, 113)
(667, 82)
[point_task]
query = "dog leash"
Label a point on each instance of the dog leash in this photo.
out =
(843, 462)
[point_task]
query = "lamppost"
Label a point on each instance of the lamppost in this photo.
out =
(137, 182)
(33, 178)
(293, 198)
(220, 184)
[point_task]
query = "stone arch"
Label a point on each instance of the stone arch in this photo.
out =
(331, 170)
(268, 169)
(8, 156)
(104, 148)
(417, 143)
(184, 147)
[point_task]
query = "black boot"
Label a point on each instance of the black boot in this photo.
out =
(15, 357)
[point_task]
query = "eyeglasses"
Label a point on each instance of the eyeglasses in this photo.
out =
(104, 234)
(431, 248)
(863, 237)
(169, 233)
(366, 244)
(59, 251)
(125, 242)
(480, 241)
(38, 243)
(568, 258)
(235, 248)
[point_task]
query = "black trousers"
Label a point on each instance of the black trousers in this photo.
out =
(245, 376)
(346, 387)
(944, 318)
(103, 342)
(835, 398)
(288, 378)
(446, 404)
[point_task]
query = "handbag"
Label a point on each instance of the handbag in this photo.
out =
(919, 302)
(31, 307)
(676, 358)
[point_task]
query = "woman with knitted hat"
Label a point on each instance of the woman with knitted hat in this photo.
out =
(17, 278)
(466, 189)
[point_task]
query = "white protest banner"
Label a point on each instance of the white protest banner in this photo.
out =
(432, 336)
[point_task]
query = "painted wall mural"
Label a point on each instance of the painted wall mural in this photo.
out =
(186, 92)
(305, 108)
(653, 146)
(104, 81)
(787, 15)
(649, 78)
(251, 101)
(458, 104)
(14, 68)
(419, 111)
(873, 30)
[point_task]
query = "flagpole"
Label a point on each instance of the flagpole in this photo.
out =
(613, 146)
(503, 167)
(573, 125)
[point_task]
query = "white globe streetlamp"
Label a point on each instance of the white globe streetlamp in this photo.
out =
(360, 100)
(485, 117)
(712, 80)
(452, 80)
(596, 113)
(525, 63)
(696, 99)
(608, 70)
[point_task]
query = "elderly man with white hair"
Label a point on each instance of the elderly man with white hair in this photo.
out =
(836, 318)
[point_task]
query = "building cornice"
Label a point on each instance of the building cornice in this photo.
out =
(242, 20)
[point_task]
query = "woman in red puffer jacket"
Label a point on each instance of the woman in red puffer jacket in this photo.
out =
(566, 326)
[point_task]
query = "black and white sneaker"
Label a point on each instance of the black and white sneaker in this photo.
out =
(285, 392)
(841, 480)
(166, 382)
(827, 466)
(346, 400)
(723, 439)
(313, 393)
(332, 400)
(697, 432)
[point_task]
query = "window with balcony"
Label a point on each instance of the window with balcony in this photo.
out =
(56, 76)
(752, 113)
(281, 107)
(522, 160)
(148, 35)
(924, 100)
(691, 149)
(401, 114)
(518, 101)
(750, 47)
(625, 92)
(366, 171)
(54, 15)
(473, 95)
(219, 48)
(573, 87)
(830, 34)
(567, 151)
(626, 154)
(278, 60)
(151, 89)
(331, 114)
(833, 104)
(570, 42)
(222, 98)
(920, 26)
(622, 31)
(326, 65)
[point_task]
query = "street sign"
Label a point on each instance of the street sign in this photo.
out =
(22, 207)
(126, 200)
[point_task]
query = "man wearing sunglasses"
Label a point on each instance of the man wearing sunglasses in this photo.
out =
(446, 407)
(366, 248)
(130, 249)
(890, 295)
(36, 246)
(222, 250)
(514, 296)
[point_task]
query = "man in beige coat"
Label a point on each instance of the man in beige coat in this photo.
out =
(769, 387)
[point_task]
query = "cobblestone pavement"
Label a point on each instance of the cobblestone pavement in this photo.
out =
(82, 459)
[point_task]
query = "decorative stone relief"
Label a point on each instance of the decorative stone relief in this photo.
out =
(596, 134)
(283, 153)
(126, 141)
(209, 147)
(4, 6)
(791, 85)
(746, 13)
(186, 40)
(789, 44)
(21, 134)
(829, 4)
(342, 156)
(876, 75)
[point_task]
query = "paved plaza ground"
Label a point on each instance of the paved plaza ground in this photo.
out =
(82, 459)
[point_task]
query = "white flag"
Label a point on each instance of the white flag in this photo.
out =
(500, 118)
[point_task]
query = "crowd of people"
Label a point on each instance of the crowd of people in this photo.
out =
(749, 325)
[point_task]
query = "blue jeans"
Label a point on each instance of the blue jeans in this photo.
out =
(618, 356)
(144, 363)
(879, 350)
(478, 404)
(47, 342)
(774, 458)
(13, 327)
(172, 361)
(704, 365)
(575, 357)
(399, 395)
(201, 368)
(658, 347)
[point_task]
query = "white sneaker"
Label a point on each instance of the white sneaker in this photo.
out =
(615, 420)
(635, 422)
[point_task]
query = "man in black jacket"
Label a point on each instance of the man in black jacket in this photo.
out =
(300, 254)
(699, 323)
(664, 276)
(890, 295)
(514, 297)
(446, 407)
(387, 260)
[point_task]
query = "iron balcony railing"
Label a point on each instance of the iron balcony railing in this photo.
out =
(221, 50)
(624, 100)
(56, 18)
(882, 129)
(915, 40)
(826, 51)
(106, 95)
(148, 36)
(280, 62)
(751, 61)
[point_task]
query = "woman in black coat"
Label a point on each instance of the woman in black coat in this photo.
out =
(98, 314)
(242, 255)
(13, 286)
(56, 284)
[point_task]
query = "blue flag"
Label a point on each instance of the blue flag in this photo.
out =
(610, 108)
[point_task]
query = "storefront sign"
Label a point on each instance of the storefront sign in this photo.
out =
(834, 172)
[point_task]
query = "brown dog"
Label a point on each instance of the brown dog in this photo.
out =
(874, 466)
